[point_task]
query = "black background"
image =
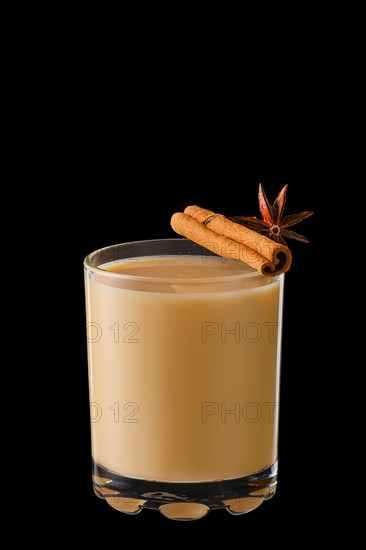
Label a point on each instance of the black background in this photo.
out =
(109, 136)
(138, 205)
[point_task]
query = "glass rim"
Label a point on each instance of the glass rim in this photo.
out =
(88, 265)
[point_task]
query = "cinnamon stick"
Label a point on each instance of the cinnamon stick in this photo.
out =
(232, 240)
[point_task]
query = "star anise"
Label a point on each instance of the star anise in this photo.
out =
(273, 224)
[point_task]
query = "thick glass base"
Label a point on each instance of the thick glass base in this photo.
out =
(185, 501)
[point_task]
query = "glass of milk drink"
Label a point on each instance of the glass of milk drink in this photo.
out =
(184, 366)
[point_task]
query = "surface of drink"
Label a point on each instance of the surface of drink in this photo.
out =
(184, 356)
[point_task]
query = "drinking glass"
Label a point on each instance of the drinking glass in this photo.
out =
(184, 374)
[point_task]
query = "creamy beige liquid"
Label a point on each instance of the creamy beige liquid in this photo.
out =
(183, 369)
